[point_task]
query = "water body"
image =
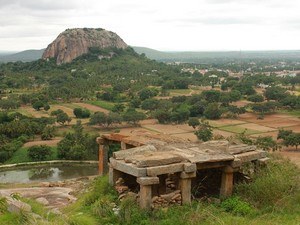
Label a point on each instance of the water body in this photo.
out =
(47, 173)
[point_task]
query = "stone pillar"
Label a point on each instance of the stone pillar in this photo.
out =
(227, 182)
(103, 157)
(123, 145)
(114, 175)
(185, 186)
(146, 184)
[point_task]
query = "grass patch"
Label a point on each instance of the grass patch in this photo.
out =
(295, 113)
(21, 156)
(238, 130)
(102, 104)
(177, 92)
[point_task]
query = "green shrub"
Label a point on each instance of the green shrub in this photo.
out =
(236, 206)
(273, 185)
(39, 152)
(82, 219)
(3, 205)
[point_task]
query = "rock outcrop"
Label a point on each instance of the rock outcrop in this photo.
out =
(75, 42)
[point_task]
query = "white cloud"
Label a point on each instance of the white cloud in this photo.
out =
(166, 25)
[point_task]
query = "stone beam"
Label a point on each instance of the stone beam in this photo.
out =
(128, 168)
(158, 170)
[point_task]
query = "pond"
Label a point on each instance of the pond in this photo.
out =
(47, 173)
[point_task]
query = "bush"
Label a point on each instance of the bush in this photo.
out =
(39, 152)
(81, 113)
(272, 186)
(237, 206)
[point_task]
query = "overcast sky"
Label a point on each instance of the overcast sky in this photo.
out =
(191, 25)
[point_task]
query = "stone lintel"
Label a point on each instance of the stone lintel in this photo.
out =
(147, 180)
(184, 175)
(158, 170)
(263, 161)
(190, 167)
(251, 156)
(212, 165)
(127, 168)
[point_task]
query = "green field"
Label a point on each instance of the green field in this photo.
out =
(239, 130)
(102, 104)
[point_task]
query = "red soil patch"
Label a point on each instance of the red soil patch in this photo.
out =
(225, 122)
(187, 136)
(292, 155)
(273, 134)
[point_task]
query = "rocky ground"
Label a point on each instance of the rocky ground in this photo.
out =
(53, 195)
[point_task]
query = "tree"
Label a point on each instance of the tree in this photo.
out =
(204, 131)
(181, 114)
(275, 93)
(292, 139)
(81, 113)
(56, 112)
(113, 118)
(131, 116)
(118, 108)
(102, 119)
(163, 116)
(48, 133)
(211, 95)
(37, 105)
(255, 98)
(213, 111)
(63, 118)
(77, 145)
(235, 95)
(282, 134)
(147, 93)
(46, 107)
(194, 122)
(266, 143)
(98, 118)
(149, 104)
(39, 152)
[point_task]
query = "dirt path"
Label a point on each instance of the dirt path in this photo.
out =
(41, 142)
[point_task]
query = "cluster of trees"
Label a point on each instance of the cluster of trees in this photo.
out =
(61, 117)
(16, 129)
(131, 116)
(211, 104)
(78, 145)
(289, 138)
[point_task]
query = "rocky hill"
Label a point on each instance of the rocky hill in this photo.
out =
(75, 42)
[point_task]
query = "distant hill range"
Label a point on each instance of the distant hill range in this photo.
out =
(189, 57)
(24, 56)
(198, 57)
